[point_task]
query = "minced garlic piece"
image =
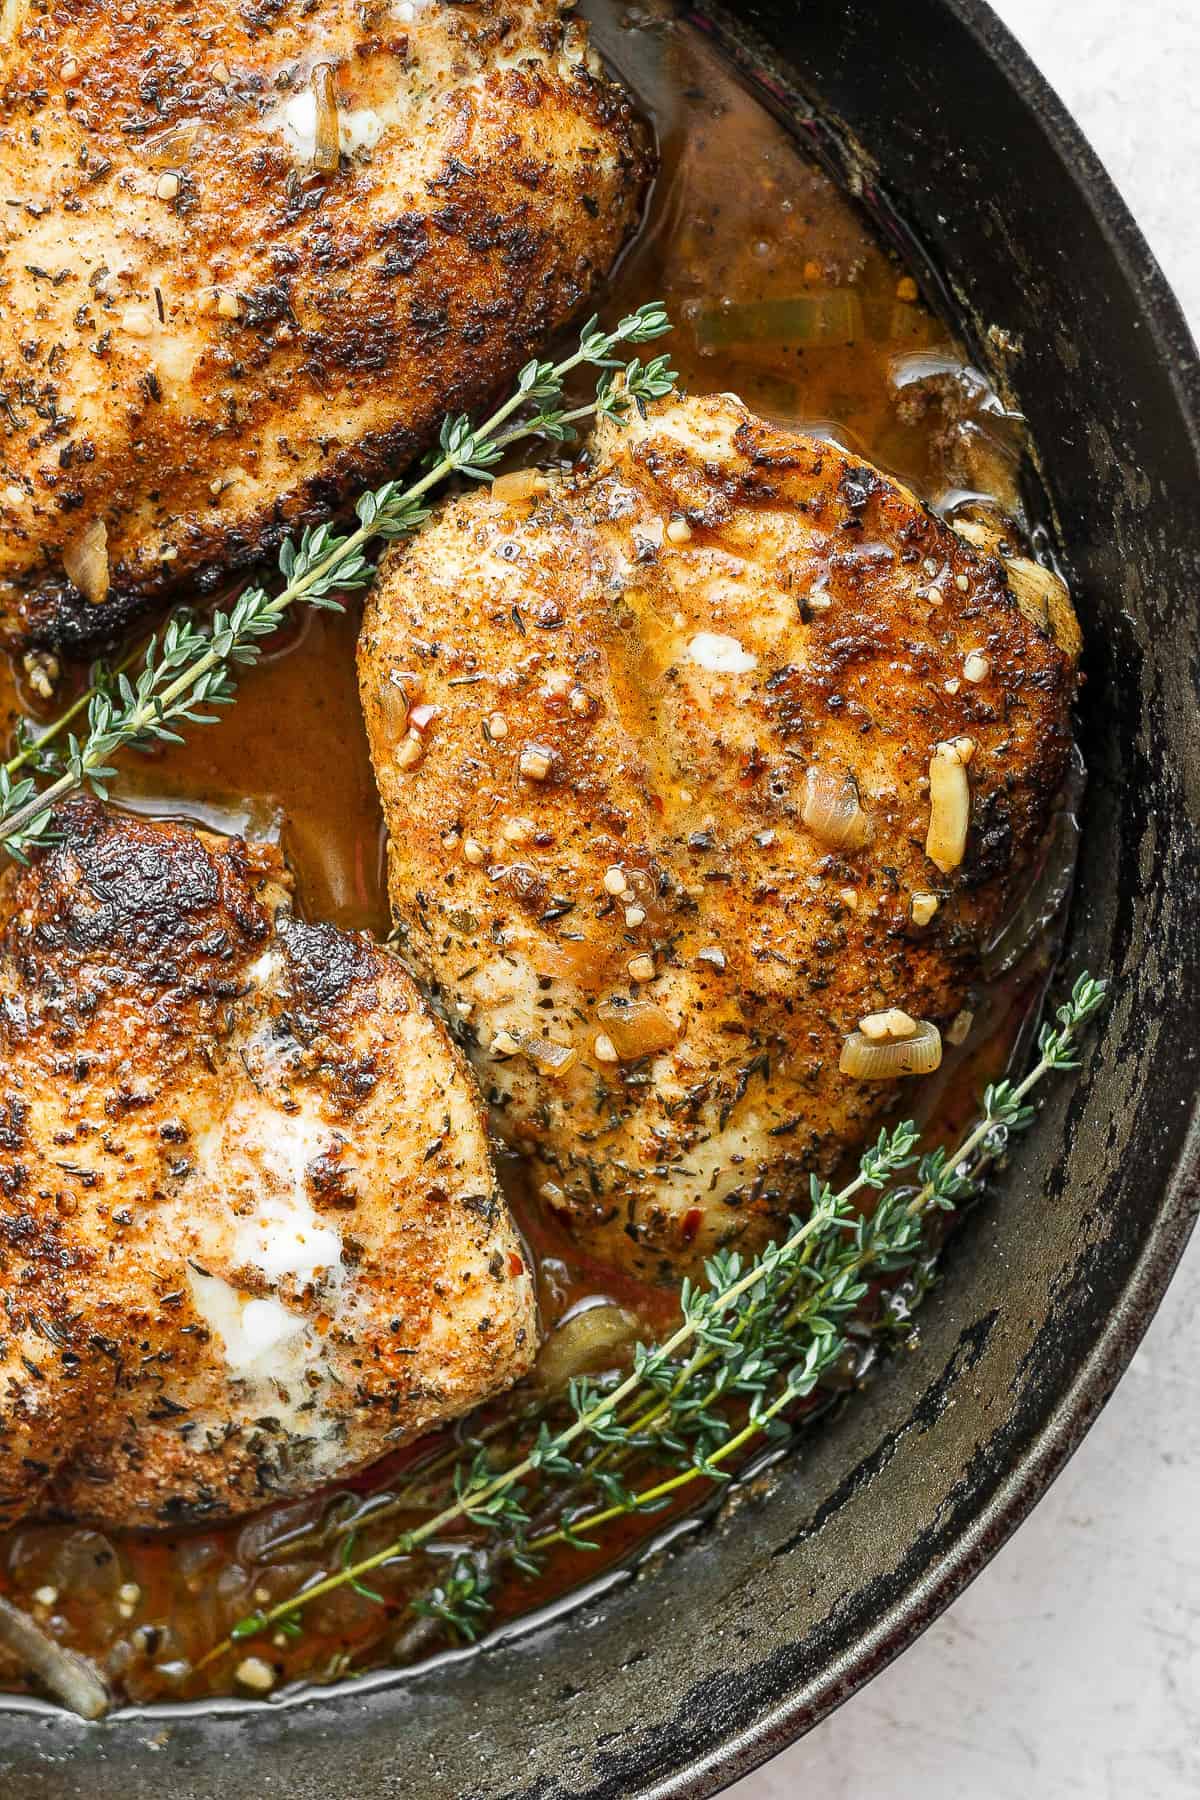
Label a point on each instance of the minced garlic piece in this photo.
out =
(254, 1673)
(535, 762)
(410, 750)
(890, 1027)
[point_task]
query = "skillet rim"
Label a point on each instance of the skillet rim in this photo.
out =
(778, 1722)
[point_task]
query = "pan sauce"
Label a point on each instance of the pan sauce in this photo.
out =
(780, 292)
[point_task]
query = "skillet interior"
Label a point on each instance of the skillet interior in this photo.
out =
(676, 1682)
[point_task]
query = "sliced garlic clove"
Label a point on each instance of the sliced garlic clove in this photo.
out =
(85, 559)
(949, 808)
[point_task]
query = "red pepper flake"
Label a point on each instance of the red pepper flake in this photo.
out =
(515, 1265)
(692, 1220)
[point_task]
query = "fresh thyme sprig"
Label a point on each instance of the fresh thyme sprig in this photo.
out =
(753, 1342)
(193, 666)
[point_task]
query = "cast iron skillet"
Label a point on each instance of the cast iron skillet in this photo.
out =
(676, 1682)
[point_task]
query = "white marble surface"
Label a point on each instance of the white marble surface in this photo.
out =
(1071, 1669)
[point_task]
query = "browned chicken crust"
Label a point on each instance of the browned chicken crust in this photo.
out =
(250, 1236)
(623, 688)
(205, 335)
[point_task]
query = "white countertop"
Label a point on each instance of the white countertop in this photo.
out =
(1071, 1669)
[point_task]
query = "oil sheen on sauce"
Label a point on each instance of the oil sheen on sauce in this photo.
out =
(780, 292)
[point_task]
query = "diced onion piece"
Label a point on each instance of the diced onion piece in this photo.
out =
(85, 559)
(919, 1054)
(1045, 599)
(641, 884)
(834, 316)
(519, 487)
(171, 148)
(327, 148)
(69, 1677)
(1029, 581)
(959, 1028)
(394, 702)
(637, 1028)
(1042, 596)
(831, 809)
(586, 1342)
(574, 959)
(551, 1058)
(949, 808)
(982, 535)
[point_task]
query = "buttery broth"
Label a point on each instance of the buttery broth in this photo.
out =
(781, 292)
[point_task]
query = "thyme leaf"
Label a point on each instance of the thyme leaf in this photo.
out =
(754, 1342)
(462, 1601)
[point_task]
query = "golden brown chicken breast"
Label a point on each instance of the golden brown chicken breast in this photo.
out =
(250, 256)
(250, 1237)
(690, 763)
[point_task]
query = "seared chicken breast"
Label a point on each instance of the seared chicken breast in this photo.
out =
(690, 762)
(250, 257)
(250, 1236)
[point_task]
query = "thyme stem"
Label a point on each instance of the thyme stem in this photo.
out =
(33, 748)
(650, 1498)
(195, 666)
(773, 1343)
(161, 704)
(478, 1500)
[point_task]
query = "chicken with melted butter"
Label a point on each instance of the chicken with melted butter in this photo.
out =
(250, 1236)
(707, 771)
(251, 256)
